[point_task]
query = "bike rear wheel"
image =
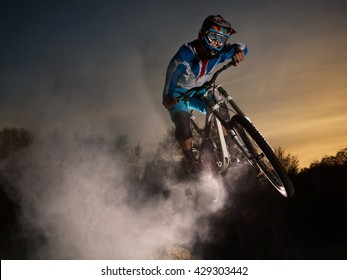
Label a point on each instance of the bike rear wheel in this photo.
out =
(263, 155)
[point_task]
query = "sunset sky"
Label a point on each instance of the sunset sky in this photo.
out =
(99, 67)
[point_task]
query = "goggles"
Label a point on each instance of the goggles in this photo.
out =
(215, 40)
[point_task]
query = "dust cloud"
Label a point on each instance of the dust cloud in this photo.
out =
(78, 196)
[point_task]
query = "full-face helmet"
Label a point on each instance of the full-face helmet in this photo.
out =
(213, 34)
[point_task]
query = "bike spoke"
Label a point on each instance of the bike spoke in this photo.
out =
(263, 155)
(260, 156)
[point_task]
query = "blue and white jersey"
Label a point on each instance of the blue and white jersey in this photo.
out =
(185, 70)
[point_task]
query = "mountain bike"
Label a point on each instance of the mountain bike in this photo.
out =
(213, 154)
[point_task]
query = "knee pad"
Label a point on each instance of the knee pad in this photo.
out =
(182, 123)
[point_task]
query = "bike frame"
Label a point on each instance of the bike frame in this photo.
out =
(220, 96)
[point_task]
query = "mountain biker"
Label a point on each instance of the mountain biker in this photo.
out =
(190, 68)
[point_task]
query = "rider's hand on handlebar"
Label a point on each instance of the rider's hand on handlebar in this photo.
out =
(238, 57)
(169, 102)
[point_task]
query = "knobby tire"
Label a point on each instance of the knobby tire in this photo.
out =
(272, 169)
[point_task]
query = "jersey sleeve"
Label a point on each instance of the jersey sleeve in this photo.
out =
(230, 49)
(177, 67)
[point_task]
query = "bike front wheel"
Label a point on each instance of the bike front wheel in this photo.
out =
(263, 155)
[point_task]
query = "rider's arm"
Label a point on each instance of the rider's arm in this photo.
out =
(176, 68)
(236, 51)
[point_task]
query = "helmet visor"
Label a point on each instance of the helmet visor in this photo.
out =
(215, 40)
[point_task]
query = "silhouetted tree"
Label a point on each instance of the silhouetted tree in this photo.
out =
(13, 139)
(12, 245)
(288, 161)
(339, 159)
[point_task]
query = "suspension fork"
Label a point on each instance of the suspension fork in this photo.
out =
(209, 150)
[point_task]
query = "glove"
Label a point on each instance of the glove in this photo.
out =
(238, 57)
(169, 102)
